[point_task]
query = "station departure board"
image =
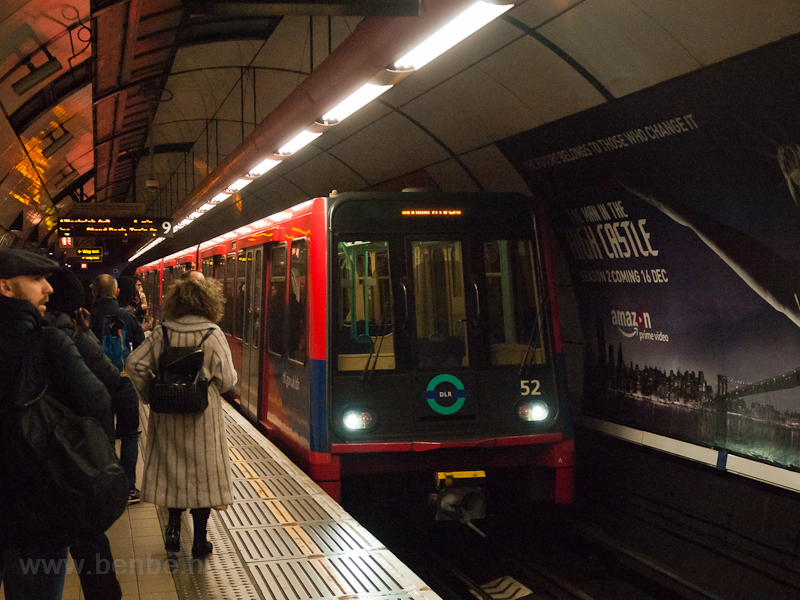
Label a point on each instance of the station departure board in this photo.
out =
(112, 227)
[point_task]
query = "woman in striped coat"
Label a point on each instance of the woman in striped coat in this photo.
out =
(186, 459)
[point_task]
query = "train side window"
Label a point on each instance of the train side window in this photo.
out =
(241, 295)
(207, 268)
(364, 307)
(258, 298)
(276, 303)
(439, 304)
(296, 344)
(218, 268)
(230, 298)
(513, 301)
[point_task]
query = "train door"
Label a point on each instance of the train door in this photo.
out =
(441, 306)
(287, 386)
(251, 293)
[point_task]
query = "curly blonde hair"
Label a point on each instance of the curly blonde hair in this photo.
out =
(202, 298)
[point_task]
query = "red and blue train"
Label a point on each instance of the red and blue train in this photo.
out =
(391, 332)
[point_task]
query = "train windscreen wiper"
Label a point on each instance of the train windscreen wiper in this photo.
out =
(387, 308)
(536, 330)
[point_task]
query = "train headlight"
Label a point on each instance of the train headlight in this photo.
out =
(354, 420)
(536, 410)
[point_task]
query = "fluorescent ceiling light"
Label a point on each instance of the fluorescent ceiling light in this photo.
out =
(358, 99)
(262, 167)
(220, 197)
(195, 214)
(464, 25)
(238, 185)
(300, 140)
(206, 206)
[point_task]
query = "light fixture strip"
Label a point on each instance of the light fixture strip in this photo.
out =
(299, 141)
(238, 185)
(464, 25)
(262, 167)
(355, 101)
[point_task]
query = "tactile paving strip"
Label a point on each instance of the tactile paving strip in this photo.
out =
(283, 538)
(359, 575)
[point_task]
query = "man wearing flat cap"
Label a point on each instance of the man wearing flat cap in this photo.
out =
(23, 289)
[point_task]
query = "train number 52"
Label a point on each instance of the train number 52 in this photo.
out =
(529, 387)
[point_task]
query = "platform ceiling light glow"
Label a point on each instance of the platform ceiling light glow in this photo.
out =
(264, 166)
(205, 207)
(358, 99)
(299, 141)
(147, 247)
(464, 25)
(238, 185)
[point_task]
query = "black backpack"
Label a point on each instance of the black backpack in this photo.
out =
(61, 480)
(180, 385)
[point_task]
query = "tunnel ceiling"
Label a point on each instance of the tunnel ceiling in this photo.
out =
(151, 104)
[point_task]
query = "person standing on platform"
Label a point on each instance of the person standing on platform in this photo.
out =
(23, 289)
(107, 321)
(65, 312)
(186, 458)
(128, 299)
(141, 304)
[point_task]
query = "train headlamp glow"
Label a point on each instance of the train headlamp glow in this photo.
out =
(537, 410)
(358, 419)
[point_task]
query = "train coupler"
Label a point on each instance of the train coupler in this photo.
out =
(461, 496)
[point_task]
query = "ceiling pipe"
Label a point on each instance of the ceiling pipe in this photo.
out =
(374, 45)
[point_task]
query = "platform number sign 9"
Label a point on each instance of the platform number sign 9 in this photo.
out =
(529, 387)
(164, 228)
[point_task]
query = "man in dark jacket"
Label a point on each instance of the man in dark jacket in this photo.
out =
(106, 311)
(65, 312)
(23, 289)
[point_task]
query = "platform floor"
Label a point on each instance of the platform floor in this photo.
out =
(283, 538)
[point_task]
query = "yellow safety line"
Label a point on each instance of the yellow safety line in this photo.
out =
(280, 512)
(248, 470)
(328, 574)
(261, 489)
(304, 543)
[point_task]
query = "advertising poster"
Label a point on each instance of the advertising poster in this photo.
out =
(678, 209)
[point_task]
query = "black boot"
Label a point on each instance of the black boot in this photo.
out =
(172, 536)
(201, 546)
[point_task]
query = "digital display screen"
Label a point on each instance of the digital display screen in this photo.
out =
(107, 227)
(431, 212)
